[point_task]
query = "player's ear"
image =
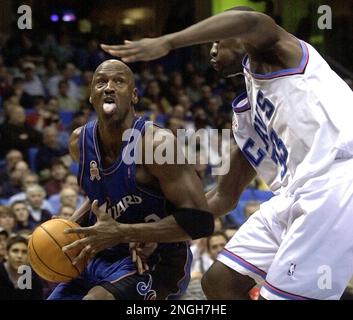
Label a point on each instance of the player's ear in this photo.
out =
(90, 100)
(135, 97)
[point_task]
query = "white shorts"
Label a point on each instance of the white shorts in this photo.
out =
(300, 246)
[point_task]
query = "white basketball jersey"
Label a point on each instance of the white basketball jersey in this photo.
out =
(294, 123)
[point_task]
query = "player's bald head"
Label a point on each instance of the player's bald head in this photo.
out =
(114, 65)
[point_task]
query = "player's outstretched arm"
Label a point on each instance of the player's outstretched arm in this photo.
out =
(224, 197)
(257, 31)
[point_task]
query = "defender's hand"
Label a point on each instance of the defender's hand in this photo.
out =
(141, 50)
(104, 234)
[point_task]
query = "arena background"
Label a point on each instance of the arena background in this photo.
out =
(45, 74)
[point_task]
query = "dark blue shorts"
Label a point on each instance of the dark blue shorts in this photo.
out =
(168, 279)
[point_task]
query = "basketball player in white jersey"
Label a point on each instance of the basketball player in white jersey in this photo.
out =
(293, 128)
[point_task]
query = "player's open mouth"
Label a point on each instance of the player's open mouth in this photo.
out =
(109, 105)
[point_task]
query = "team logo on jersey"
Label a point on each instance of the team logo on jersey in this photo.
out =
(291, 269)
(94, 171)
(117, 209)
(144, 289)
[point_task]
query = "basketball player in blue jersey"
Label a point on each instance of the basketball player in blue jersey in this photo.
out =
(292, 127)
(131, 202)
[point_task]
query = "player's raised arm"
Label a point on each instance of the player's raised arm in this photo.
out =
(224, 197)
(257, 32)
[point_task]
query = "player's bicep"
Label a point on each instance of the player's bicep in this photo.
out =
(74, 148)
(182, 187)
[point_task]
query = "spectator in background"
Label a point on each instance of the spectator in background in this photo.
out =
(23, 218)
(67, 74)
(16, 256)
(7, 219)
(70, 182)
(35, 197)
(18, 91)
(3, 239)
(154, 94)
(66, 102)
(50, 150)
(58, 172)
(69, 197)
(28, 179)
(16, 132)
(32, 85)
(215, 244)
(13, 185)
(12, 157)
(66, 212)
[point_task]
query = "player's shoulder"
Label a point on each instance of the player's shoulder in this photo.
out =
(74, 144)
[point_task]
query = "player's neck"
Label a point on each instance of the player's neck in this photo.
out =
(110, 135)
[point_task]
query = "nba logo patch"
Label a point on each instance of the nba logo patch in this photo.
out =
(94, 171)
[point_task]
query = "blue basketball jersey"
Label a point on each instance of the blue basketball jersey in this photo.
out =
(115, 187)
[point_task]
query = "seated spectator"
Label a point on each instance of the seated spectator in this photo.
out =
(16, 132)
(3, 239)
(58, 172)
(15, 257)
(29, 179)
(50, 150)
(32, 85)
(12, 158)
(215, 244)
(69, 197)
(153, 94)
(69, 182)
(66, 212)
(67, 74)
(35, 197)
(7, 219)
(66, 103)
(23, 218)
(13, 186)
(23, 98)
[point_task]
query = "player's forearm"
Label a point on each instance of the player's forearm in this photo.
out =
(220, 205)
(229, 24)
(163, 231)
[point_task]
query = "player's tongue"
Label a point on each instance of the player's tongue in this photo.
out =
(109, 107)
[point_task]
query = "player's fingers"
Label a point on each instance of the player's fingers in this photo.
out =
(80, 230)
(85, 252)
(139, 265)
(146, 267)
(121, 48)
(75, 244)
(95, 209)
(133, 255)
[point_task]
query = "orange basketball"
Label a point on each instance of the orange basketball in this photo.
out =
(46, 255)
